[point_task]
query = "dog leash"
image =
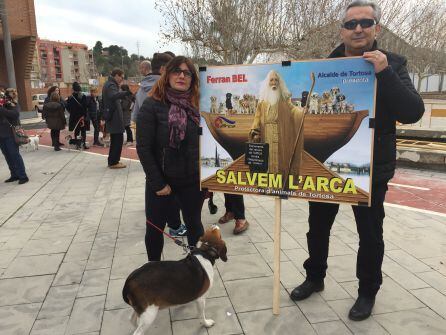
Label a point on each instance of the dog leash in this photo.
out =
(187, 248)
(81, 121)
(40, 134)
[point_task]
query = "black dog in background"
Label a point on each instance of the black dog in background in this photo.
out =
(228, 101)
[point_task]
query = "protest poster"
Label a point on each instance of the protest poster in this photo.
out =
(296, 129)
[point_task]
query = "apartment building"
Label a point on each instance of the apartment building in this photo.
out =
(62, 62)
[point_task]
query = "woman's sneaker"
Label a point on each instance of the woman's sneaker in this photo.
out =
(180, 232)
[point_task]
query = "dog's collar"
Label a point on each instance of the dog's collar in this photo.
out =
(210, 253)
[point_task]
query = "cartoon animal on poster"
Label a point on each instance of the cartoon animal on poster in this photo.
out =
(214, 108)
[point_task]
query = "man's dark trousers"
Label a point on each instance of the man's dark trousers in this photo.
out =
(114, 155)
(96, 127)
(234, 203)
(369, 224)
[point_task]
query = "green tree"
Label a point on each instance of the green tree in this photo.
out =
(97, 49)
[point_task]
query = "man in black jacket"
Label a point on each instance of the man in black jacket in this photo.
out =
(396, 100)
(111, 98)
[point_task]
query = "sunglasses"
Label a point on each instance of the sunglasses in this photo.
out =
(177, 71)
(364, 23)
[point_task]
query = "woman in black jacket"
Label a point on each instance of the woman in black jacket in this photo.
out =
(167, 138)
(54, 115)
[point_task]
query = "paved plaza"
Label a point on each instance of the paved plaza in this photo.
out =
(70, 237)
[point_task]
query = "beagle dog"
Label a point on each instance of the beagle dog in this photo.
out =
(162, 284)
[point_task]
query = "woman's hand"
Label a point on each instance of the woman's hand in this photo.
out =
(164, 191)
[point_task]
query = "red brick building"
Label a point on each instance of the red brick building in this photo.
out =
(22, 26)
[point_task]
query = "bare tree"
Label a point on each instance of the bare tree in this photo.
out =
(232, 31)
(419, 33)
(236, 31)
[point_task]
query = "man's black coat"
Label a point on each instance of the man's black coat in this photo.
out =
(396, 100)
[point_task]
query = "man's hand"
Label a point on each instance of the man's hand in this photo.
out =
(378, 59)
(164, 191)
(254, 136)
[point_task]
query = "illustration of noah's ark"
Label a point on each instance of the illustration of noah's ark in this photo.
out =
(323, 133)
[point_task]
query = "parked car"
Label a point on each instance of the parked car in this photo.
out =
(37, 102)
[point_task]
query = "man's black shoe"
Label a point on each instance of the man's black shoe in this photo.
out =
(362, 309)
(11, 179)
(23, 181)
(306, 289)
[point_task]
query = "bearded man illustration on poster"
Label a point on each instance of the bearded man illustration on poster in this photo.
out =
(277, 122)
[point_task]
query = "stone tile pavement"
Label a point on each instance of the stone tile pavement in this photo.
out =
(70, 237)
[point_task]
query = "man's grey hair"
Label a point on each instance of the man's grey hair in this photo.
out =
(146, 65)
(364, 3)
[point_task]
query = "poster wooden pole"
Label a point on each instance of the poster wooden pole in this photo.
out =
(277, 229)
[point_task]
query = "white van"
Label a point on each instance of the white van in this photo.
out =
(37, 102)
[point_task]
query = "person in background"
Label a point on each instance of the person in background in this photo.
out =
(396, 100)
(93, 114)
(111, 99)
(77, 107)
(10, 116)
(101, 121)
(212, 207)
(235, 209)
(126, 105)
(167, 142)
(54, 115)
(152, 72)
(50, 91)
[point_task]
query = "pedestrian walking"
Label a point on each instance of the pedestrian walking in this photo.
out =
(54, 115)
(167, 142)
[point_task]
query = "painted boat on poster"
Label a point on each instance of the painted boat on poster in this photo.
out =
(324, 134)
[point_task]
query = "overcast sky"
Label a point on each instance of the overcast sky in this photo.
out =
(121, 22)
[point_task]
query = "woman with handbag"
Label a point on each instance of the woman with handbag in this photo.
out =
(54, 115)
(9, 119)
(167, 137)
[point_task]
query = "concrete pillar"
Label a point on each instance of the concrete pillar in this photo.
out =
(7, 45)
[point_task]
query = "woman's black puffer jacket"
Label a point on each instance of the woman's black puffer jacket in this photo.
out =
(162, 164)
